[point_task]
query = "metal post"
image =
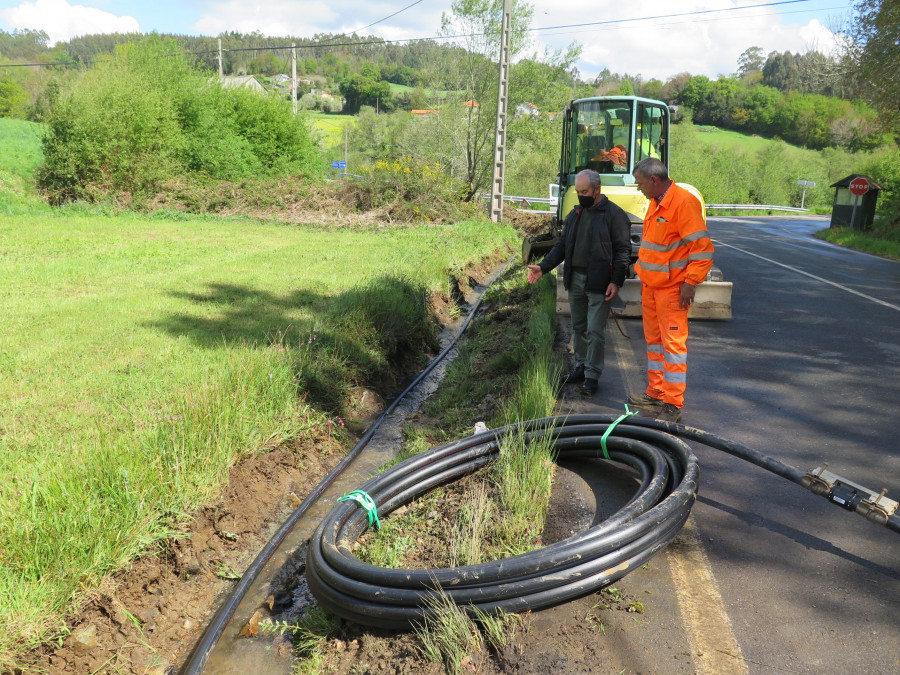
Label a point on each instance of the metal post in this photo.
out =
(853, 213)
(294, 78)
(502, 102)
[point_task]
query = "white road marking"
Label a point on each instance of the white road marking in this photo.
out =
(812, 276)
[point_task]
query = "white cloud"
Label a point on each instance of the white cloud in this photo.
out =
(308, 17)
(62, 21)
(277, 18)
(704, 44)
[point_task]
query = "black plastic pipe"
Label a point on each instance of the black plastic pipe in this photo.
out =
(668, 473)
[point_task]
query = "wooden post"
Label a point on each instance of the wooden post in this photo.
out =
(220, 59)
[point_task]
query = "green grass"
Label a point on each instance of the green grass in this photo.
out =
(735, 140)
(21, 154)
(330, 127)
(733, 168)
(862, 241)
(141, 357)
(439, 94)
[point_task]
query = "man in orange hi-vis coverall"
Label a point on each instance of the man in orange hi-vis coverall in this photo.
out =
(675, 255)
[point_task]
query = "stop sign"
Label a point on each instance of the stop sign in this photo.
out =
(859, 185)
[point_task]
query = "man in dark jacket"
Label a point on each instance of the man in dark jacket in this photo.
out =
(596, 246)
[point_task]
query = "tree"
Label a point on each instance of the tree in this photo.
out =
(695, 95)
(546, 81)
(12, 99)
(876, 33)
(359, 90)
(781, 71)
(473, 74)
(750, 62)
(652, 89)
(266, 64)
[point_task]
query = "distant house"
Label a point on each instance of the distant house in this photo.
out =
(416, 111)
(281, 78)
(241, 82)
(529, 109)
(471, 104)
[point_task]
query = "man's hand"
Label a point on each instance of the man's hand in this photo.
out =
(611, 291)
(534, 274)
(687, 295)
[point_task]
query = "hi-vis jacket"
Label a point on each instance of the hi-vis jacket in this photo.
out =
(675, 246)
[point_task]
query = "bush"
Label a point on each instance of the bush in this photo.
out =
(147, 115)
(409, 189)
(884, 168)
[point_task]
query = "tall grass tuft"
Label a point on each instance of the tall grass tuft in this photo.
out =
(447, 633)
(473, 524)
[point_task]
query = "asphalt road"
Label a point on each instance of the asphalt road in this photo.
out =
(808, 371)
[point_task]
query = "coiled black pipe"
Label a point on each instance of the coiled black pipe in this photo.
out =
(668, 473)
(389, 598)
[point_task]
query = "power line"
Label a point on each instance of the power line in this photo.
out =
(388, 17)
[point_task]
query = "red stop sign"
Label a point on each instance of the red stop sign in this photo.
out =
(859, 186)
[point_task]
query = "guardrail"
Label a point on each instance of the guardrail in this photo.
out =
(729, 207)
(529, 200)
(756, 207)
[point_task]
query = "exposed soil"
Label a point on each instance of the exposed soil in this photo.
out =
(146, 618)
(528, 222)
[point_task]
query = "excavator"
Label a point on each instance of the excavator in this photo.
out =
(610, 134)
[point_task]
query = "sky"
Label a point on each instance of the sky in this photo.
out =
(707, 42)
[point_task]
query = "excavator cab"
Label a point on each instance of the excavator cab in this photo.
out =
(610, 134)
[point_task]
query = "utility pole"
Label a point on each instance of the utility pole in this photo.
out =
(220, 58)
(502, 102)
(294, 78)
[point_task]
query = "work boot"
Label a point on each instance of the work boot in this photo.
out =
(669, 413)
(576, 375)
(589, 388)
(644, 400)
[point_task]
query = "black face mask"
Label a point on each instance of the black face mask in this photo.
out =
(586, 201)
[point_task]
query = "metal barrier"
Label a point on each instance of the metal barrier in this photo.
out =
(756, 207)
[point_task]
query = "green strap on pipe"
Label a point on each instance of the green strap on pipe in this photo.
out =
(612, 426)
(366, 502)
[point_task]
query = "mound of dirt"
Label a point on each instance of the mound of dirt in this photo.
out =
(528, 222)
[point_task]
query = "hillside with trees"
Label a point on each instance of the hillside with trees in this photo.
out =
(844, 103)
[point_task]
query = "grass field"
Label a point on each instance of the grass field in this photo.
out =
(331, 127)
(140, 357)
(732, 168)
